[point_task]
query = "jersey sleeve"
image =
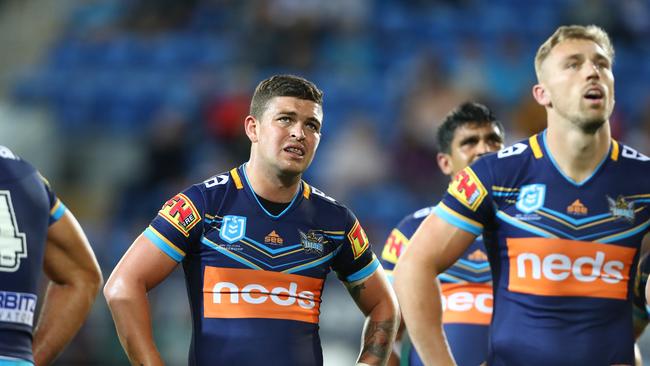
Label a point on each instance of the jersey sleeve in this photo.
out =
(399, 238)
(57, 208)
(354, 261)
(178, 223)
(395, 244)
(468, 204)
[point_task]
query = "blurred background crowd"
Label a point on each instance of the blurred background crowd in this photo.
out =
(121, 104)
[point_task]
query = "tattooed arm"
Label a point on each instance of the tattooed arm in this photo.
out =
(376, 299)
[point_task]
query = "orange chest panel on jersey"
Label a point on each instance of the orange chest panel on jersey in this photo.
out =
(560, 267)
(467, 303)
(247, 293)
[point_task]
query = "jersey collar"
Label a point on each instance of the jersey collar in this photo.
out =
(539, 150)
(241, 183)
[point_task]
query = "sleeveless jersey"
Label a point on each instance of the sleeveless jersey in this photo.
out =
(563, 253)
(466, 294)
(27, 208)
(254, 279)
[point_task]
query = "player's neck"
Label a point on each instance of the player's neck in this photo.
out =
(577, 153)
(271, 186)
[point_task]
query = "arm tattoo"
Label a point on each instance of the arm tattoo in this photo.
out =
(376, 338)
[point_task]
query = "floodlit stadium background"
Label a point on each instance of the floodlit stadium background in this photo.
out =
(123, 103)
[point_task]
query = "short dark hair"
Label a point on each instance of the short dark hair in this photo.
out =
(466, 113)
(283, 86)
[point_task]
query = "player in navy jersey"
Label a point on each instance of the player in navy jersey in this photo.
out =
(563, 215)
(39, 234)
(256, 244)
(467, 133)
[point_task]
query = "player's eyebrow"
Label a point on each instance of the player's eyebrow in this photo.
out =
(495, 136)
(574, 57)
(469, 139)
(295, 115)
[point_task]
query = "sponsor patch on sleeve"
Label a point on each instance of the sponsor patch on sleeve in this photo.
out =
(181, 213)
(394, 246)
(358, 239)
(467, 188)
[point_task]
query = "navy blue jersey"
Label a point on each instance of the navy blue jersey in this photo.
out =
(27, 208)
(255, 279)
(563, 253)
(466, 294)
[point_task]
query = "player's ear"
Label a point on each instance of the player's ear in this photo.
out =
(250, 126)
(541, 95)
(444, 163)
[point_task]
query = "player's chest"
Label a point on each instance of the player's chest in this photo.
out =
(293, 244)
(606, 210)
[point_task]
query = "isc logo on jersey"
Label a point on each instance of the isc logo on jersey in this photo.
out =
(559, 267)
(245, 293)
(466, 303)
(467, 188)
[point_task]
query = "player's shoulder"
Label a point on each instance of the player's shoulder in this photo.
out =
(12, 167)
(410, 222)
(321, 199)
(629, 155)
(417, 216)
(219, 184)
(516, 153)
(504, 164)
(327, 208)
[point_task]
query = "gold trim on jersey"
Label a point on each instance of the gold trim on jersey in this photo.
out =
(466, 219)
(334, 232)
(585, 226)
(267, 253)
(306, 191)
(638, 196)
(615, 150)
(56, 206)
(163, 238)
(534, 145)
(624, 233)
(212, 217)
(504, 189)
(236, 178)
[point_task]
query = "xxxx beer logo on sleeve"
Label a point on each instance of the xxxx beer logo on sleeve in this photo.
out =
(394, 246)
(358, 239)
(467, 188)
(560, 267)
(181, 213)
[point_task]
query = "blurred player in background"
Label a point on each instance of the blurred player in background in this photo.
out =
(563, 216)
(38, 233)
(256, 244)
(467, 133)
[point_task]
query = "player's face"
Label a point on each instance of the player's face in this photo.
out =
(470, 141)
(289, 133)
(577, 77)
